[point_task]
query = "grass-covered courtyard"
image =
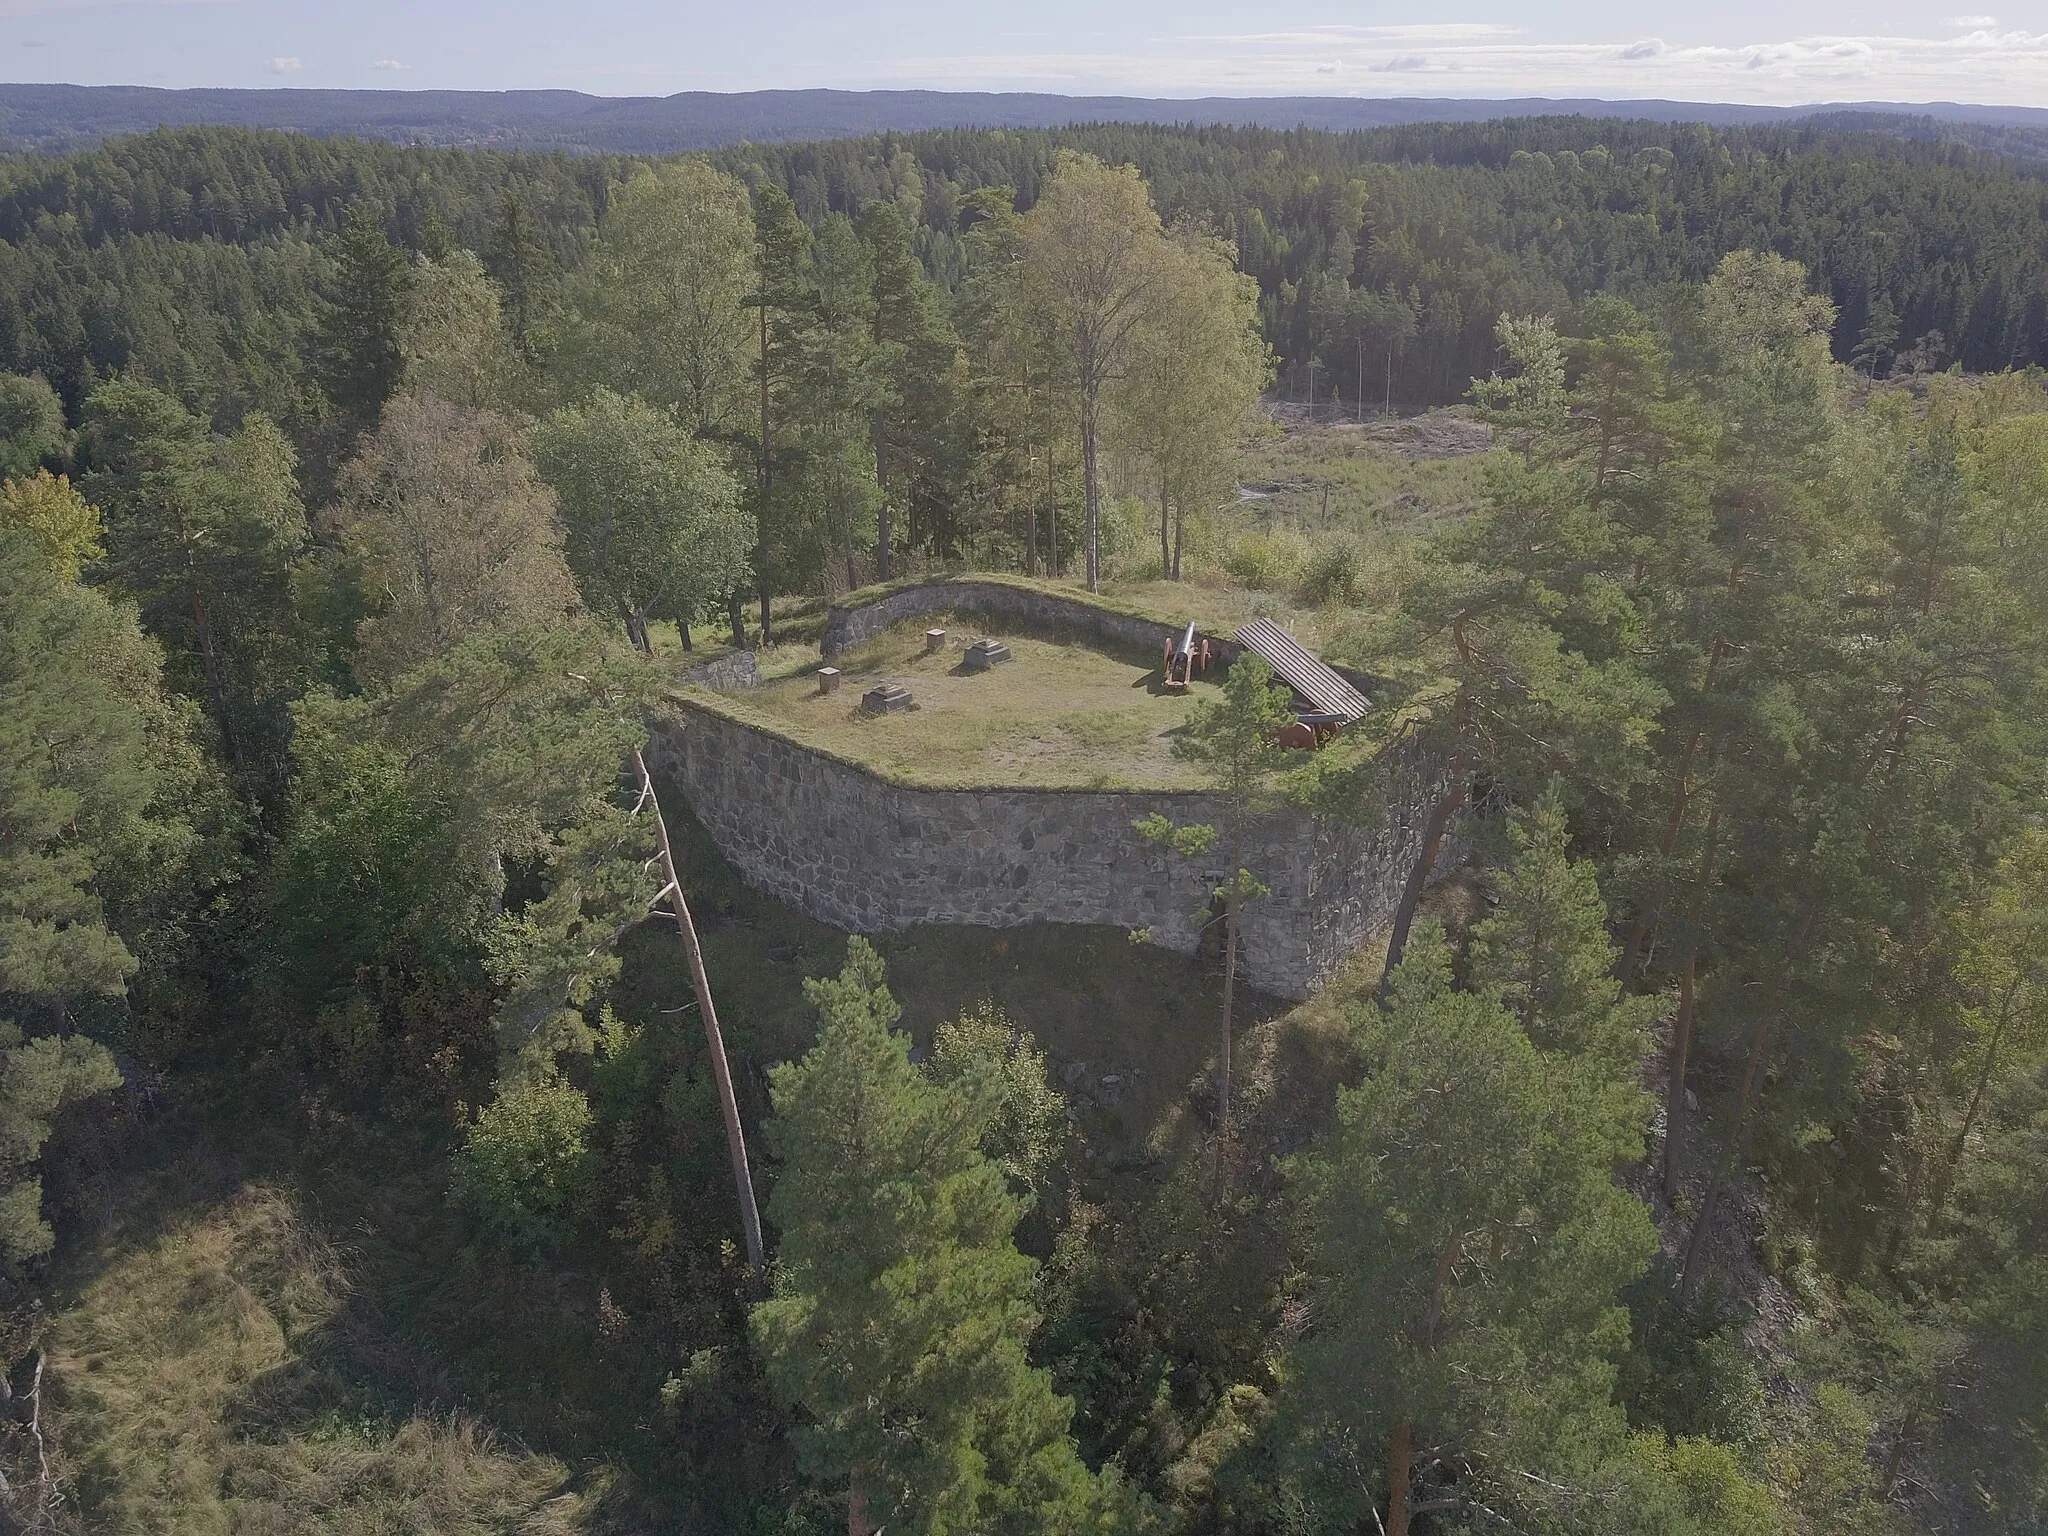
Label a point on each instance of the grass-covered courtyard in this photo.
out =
(1055, 715)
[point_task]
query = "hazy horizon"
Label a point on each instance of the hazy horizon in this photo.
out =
(1745, 53)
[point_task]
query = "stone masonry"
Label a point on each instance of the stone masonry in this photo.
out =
(867, 854)
(1046, 613)
(1063, 618)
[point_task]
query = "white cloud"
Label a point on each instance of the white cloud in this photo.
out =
(1973, 23)
(1984, 65)
(389, 64)
(282, 66)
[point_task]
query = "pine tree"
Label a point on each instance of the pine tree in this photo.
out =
(32, 432)
(915, 431)
(204, 533)
(786, 299)
(1519, 634)
(1237, 740)
(901, 1308)
(524, 271)
(1545, 955)
(99, 781)
(1467, 1243)
(356, 353)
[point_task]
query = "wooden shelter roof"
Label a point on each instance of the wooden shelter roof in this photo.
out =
(1310, 678)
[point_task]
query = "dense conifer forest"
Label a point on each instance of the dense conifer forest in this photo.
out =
(407, 1116)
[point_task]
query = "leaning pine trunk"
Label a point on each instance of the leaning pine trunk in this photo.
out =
(721, 1070)
(1425, 863)
(1400, 1458)
(1681, 1043)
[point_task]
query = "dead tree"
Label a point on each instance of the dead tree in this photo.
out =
(735, 1134)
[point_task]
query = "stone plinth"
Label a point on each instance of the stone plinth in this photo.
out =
(886, 699)
(984, 654)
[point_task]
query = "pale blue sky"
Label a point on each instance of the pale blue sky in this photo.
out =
(1743, 50)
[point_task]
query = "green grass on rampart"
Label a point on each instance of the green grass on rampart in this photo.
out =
(1054, 716)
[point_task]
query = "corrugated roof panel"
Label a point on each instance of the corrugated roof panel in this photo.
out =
(1302, 672)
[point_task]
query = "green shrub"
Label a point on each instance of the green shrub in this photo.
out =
(1266, 562)
(1334, 576)
(527, 1158)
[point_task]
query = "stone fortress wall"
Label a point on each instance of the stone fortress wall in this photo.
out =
(867, 854)
(863, 852)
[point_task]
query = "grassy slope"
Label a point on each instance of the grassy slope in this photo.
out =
(206, 1375)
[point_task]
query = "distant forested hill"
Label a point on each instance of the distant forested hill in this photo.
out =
(1451, 224)
(200, 257)
(61, 117)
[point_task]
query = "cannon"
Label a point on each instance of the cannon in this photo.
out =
(1182, 660)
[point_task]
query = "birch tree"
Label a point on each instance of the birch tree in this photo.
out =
(1188, 397)
(1092, 258)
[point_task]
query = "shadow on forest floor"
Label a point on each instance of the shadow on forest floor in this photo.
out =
(267, 1315)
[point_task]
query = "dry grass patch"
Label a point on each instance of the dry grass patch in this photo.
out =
(202, 1382)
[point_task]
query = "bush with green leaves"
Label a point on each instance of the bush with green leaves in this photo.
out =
(1335, 575)
(983, 1052)
(527, 1159)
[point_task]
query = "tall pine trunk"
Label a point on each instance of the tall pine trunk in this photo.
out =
(216, 683)
(1681, 1025)
(883, 567)
(1452, 802)
(1752, 1078)
(714, 1038)
(767, 493)
(1165, 549)
(1400, 1462)
(1230, 908)
(1681, 1045)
